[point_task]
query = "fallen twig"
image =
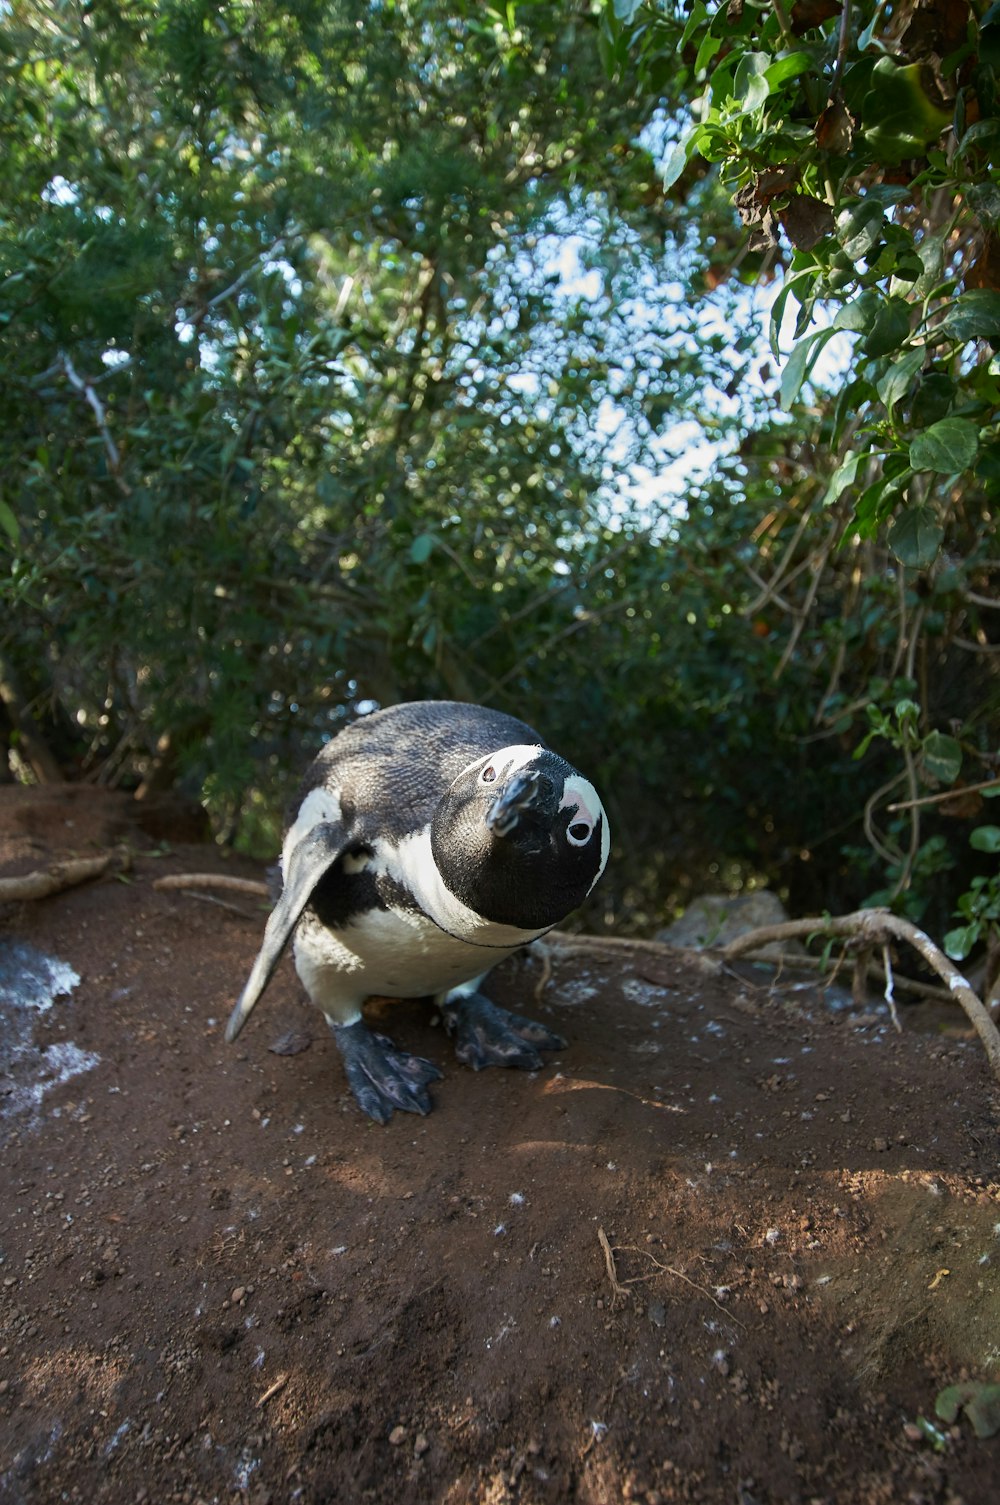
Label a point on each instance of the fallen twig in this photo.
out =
(679, 1275)
(618, 1291)
(61, 875)
(213, 880)
(872, 927)
(273, 1390)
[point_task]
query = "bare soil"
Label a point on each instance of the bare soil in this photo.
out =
(219, 1281)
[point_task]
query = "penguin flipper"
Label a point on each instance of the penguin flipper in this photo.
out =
(308, 861)
(487, 1035)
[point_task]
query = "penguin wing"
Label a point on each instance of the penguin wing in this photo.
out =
(312, 856)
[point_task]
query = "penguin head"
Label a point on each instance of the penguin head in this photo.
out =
(520, 837)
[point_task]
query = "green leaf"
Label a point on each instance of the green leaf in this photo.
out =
(915, 537)
(626, 9)
(860, 314)
(695, 20)
(422, 547)
(801, 362)
(677, 157)
(948, 446)
(750, 86)
(900, 120)
(960, 941)
(897, 379)
(9, 523)
(933, 399)
(845, 475)
(942, 757)
(986, 839)
(891, 327)
(859, 229)
(980, 1402)
(789, 66)
(973, 316)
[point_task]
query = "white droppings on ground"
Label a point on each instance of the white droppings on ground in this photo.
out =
(574, 992)
(506, 1328)
(646, 995)
(30, 983)
(246, 1467)
(117, 1436)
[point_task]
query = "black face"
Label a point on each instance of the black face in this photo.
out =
(521, 841)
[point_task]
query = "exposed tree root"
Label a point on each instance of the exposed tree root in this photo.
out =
(870, 928)
(60, 875)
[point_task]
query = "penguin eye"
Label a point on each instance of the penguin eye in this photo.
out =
(579, 833)
(488, 774)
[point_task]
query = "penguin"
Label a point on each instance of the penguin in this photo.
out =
(430, 841)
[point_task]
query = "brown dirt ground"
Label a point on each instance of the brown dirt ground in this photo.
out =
(219, 1281)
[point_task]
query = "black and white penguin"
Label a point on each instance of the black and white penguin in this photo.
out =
(430, 841)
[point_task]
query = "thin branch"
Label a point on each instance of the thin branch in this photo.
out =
(85, 387)
(947, 794)
(888, 993)
(875, 840)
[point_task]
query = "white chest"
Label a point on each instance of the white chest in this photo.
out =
(384, 953)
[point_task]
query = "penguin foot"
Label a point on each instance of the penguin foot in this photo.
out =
(487, 1035)
(381, 1077)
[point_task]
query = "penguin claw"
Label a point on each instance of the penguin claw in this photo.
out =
(487, 1035)
(382, 1078)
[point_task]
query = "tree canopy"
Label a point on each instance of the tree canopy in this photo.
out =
(348, 347)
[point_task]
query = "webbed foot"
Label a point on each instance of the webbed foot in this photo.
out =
(381, 1077)
(487, 1035)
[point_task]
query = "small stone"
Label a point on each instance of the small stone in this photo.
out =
(238, 1294)
(421, 1445)
(397, 1436)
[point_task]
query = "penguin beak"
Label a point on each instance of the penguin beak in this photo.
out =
(523, 792)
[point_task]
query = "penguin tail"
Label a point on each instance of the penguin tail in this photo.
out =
(308, 861)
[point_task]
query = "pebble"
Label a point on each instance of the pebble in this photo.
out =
(421, 1446)
(397, 1436)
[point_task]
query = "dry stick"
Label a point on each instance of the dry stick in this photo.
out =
(618, 1291)
(272, 1390)
(61, 875)
(872, 927)
(213, 880)
(679, 1275)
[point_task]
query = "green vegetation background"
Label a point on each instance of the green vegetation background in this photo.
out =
(274, 277)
